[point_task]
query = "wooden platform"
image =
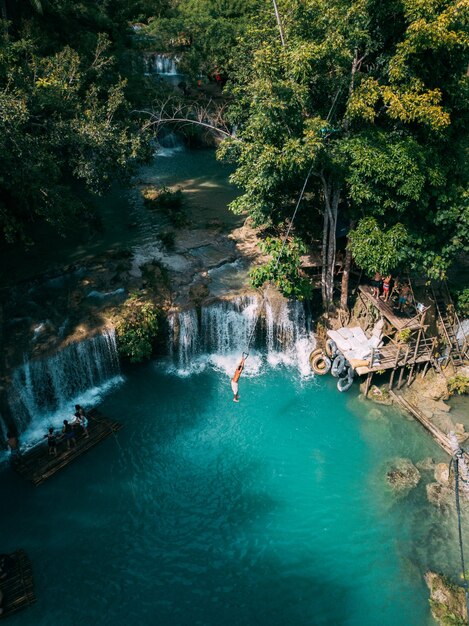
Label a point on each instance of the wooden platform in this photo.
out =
(18, 586)
(36, 465)
(398, 320)
(393, 356)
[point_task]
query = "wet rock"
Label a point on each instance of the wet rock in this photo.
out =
(447, 601)
(402, 475)
(379, 395)
(198, 292)
(442, 473)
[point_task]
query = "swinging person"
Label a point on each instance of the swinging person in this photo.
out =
(235, 379)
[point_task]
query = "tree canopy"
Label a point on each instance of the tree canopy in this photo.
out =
(64, 118)
(373, 97)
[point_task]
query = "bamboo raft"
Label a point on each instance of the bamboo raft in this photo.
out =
(37, 465)
(18, 586)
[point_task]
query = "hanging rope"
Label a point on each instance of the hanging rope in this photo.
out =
(463, 476)
(277, 262)
(461, 549)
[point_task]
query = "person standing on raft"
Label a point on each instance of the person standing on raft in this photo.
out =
(234, 380)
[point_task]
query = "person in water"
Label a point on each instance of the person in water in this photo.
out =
(235, 379)
(51, 442)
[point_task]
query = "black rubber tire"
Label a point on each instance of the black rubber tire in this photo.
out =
(331, 348)
(338, 365)
(321, 364)
(344, 384)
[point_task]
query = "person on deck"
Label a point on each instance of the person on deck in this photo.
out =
(376, 285)
(403, 296)
(235, 379)
(386, 287)
(68, 434)
(51, 442)
(81, 419)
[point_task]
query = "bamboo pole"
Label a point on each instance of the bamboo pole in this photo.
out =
(279, 23)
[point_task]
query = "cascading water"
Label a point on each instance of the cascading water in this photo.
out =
(162, 64)
(42, 390)
(222, 330)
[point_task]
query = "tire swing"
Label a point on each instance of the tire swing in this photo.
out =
(338, 365)
(345, 382)
(331, 348)
(320, 364)
(313, 354)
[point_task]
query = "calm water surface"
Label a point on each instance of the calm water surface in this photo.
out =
(203, 512)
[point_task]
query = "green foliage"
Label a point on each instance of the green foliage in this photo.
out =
(64, 118)
(377, 250)
(458, 384)
(374, 97)
(404, 335)
(462, 304)
(137, 329)
(283, 270)
(202, 33)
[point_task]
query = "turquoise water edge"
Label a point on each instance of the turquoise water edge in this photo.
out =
(273, 511)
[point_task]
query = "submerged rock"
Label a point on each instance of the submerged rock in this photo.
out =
(403, 475)
(426, 465)
(438, 494)
(447, 601)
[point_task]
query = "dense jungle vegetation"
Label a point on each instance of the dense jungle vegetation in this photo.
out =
(362, 103)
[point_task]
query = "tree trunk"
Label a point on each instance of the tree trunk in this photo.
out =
(346, 275)
(324, 258)
(331, 190)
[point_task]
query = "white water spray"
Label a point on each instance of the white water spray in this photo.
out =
(43, 391)
(221, 332)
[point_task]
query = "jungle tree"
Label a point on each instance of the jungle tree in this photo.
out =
(370, 99)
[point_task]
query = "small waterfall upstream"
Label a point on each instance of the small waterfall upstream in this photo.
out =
(43, 391)
(219, 333)
(162, 64)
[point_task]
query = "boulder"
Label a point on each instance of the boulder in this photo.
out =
(442, 474)
(403, 475)
(447, 601)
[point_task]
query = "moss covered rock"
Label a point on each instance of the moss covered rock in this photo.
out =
(447, 600)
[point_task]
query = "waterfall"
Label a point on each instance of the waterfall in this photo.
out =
(162, 64)
(44, 390)
(219, 334)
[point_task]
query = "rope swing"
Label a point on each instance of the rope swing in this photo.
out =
(245, 354)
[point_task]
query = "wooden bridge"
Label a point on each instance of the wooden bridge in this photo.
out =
(36, 464)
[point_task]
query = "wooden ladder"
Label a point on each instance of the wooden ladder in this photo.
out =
(449, 324)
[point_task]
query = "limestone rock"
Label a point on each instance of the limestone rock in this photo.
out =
(403, 476)
(442, 474)
(447, 601)
(380, 396)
